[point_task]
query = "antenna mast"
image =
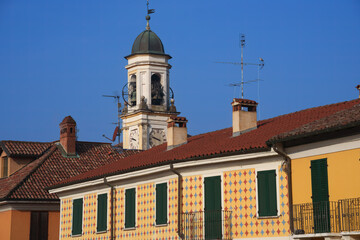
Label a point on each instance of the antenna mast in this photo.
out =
(260, 65)
(242, 45)
(117, 98)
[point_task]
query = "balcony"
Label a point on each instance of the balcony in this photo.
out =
(206, 225)
(327, 217)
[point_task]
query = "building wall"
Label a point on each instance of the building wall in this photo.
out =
(15, 225)
(54, 223)
(5, 224)
(343, 175)
(239, 195)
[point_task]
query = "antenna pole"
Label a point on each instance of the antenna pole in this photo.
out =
(242, 44)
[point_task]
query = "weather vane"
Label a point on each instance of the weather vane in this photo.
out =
(149, 11)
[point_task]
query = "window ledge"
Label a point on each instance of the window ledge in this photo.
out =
(100, 232)
(76, 235)
(130, 229)
(266, 217)
(161, 225)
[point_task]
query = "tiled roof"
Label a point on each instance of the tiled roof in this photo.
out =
(52, 167)
(343, 119)
(216, 143)
(24, 149)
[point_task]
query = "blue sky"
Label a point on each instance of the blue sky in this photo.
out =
(59, 57)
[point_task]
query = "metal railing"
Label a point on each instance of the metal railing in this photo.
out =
(350, 214)
(206, 225)
(327, 217)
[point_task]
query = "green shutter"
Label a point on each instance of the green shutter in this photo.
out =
(130, 208)
(161, 203)
(320, 195)
(319, 180)
(101, 212)
(77, 216)
(212, 207)
(267, 193)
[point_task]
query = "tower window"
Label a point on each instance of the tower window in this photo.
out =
(132, 90)
(70, 130)
(157, 91)
(5, 167)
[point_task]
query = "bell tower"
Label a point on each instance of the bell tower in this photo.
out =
(147, 95)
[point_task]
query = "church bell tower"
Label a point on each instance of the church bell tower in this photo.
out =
(147, 95)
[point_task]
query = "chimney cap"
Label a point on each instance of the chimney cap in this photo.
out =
(177, 119)
(68, 119)
(244, 101)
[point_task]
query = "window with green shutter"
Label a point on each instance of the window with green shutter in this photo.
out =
(161, 203)
(101, 212)
(130, 208)
(267, 199)
(77, 216)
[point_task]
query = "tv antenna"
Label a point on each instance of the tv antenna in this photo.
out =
(117, 131)
(260, 65)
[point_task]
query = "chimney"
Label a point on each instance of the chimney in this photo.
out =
(244, 116)
(176, 132)
(358, 88)
(68, 135)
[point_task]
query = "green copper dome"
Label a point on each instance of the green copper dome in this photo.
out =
(147, 42)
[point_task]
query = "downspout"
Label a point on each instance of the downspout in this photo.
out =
(278, 148)
(179, 231)
(111, 208)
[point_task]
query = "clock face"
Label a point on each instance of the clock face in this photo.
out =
(157, 137)
(134, 139)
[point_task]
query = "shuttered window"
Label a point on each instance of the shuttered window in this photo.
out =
(267, 199)
(77, 216)
(319, 180)
(130, 208)
(39, 226)
(161, 203)
(101, 213)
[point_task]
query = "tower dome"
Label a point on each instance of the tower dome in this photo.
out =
(148, 42)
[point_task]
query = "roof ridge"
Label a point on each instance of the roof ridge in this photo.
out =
(330, 127)
(20, 141)
(36, 164)
(104, 143)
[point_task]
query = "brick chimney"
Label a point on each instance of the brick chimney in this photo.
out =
(244, 116)
(68, 135)
(176, 132)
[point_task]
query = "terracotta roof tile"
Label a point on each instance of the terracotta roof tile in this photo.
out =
(340, 120)
(216, 143)
(52, 167)
(25, 149)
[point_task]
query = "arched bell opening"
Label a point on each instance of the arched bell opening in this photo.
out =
(132, 90)
(157, 90)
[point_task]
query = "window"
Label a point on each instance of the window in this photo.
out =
(267, 200)
(77, 216)
(157, 90)
(101, 213)
(161, 204)
(5, 167)
(130, 208)
(39, 226)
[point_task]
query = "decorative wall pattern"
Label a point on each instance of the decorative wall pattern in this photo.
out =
(240, 198)
(89, 219)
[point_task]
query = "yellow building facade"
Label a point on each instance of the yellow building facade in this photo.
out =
(326, 188)
(239, 211)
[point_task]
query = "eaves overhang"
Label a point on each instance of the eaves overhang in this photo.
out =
(164, 166)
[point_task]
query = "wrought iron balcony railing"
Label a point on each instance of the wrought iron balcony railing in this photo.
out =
(206, 225)
(327, 217)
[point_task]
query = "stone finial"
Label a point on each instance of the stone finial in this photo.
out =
(172, 106)
(143, 105)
